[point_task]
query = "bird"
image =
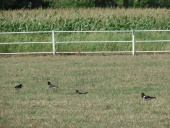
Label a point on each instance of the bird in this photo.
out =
(145, 97)
(18, 86)
(51, 85)
(77, 91)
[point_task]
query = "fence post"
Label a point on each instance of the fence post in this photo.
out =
(133, 42)
(53, 41)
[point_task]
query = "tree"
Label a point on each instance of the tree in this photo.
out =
(25, 4)
(111, 3)
(36, 3)
(100, 3)
(125, 3)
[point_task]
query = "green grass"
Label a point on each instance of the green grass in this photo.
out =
(113, 82)
(80, 47)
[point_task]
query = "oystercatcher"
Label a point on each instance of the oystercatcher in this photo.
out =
(18, 86)
(145, 97)
(51, 85)
(77, 91)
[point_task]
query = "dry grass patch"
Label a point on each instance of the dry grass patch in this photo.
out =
(113, 82)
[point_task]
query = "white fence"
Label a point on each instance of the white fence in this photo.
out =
(54, 42)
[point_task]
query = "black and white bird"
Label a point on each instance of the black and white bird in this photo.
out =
(51, 85)
(145, 97)
(18, 86)
(77, 91)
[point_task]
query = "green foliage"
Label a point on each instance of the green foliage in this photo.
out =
(17, 4)
(10, 4)
(69, 3)
(150, 3)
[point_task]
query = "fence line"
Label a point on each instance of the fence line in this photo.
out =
(148, 41)
(27, 43)
(54, 42)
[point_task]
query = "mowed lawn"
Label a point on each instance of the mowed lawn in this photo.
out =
(113, 83)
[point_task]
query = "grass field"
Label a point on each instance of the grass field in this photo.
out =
(113, 82)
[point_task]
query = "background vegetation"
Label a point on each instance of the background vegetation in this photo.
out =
(82, 19)
(114, 84)
(18, 4)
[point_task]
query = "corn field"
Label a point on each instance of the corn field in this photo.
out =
(84, 19)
